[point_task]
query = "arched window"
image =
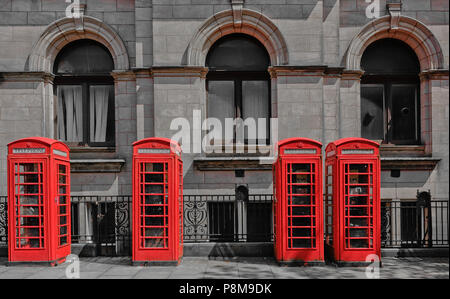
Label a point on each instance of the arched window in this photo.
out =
(390, 93)
(85, 94)
(238, 83)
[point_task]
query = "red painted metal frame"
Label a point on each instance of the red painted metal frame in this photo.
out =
(168, 200)
(38, 241)
(355, 219)
(298, 215)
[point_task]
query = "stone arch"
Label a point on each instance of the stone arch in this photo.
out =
(251, 23)
(411, 31)
(63, 31)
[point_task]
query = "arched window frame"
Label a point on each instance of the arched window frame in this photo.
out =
(87, 80)
(238, 76)
(385, 84)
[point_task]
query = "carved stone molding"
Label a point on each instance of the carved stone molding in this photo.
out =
(65, 30)
(236, 6)
(411, 31)
(395, 10)
(253, 23)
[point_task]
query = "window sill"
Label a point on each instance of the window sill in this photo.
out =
(90, 149)
(409, 163)
(96, 165)
(238, 150)
(390, 150)
(233, 163)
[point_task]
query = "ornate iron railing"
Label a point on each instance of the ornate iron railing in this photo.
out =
(224, 218)
(105, 221)
(3, 220)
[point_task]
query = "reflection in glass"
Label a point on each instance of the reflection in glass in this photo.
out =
(62, 169)
(29, 167)
(358, 211)
(154, 231)
(33, 210)
(301, 167)
(300, 200)
(301, 243)
(154, 221)
(153, 167)
(154, 199)
(154, 243)
(29, 200)
(358, 222)
(359, 243)
(29, 221)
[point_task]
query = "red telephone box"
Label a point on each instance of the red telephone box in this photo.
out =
(352, 200)
(38, 201)
(157, 202)
(297, 205)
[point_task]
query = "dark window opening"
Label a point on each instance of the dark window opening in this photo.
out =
(409, 216)
(221, 221)
(85, 94)
(390, 106)
(238, 86)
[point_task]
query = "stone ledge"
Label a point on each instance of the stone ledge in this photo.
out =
(414, 252)
(232, 163)
(251, 249)
(96, 165)
(409, 163)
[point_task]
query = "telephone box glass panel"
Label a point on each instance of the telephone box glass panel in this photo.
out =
(154, 194)
(62, 204)
(358, 204)
(301, 205)
(29, 207)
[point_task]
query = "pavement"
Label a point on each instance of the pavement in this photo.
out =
(238, 268)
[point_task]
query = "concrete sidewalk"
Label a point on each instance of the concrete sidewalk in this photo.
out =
(240, 268)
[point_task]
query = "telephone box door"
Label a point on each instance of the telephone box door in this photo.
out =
(153, 210)
(360, 207)
(27, 210)
(301, 205)
(62, 213)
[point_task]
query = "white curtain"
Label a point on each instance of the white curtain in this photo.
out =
(99, 95)
(255, 103)
(70, 113)
(221, 103)
(221, 99)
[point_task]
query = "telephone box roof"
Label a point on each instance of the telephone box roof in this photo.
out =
(43, 140)
(298, 139)
(343, 141)
(160, 140)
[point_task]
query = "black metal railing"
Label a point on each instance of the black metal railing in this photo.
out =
(105, 221)
(408, 223)
(222, 218)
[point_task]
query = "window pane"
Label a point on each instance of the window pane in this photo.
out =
(403, 113)
(70, 113)
(389, 56)
(238, 52)
(84, 56)
(100, 105)
(372, 121)
(221, 101)
(255, 104)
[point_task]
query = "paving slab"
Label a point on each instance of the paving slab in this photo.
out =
(236, 268)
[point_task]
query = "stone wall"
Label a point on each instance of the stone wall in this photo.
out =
(312, 93)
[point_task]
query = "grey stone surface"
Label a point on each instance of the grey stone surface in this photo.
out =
(239, 268)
